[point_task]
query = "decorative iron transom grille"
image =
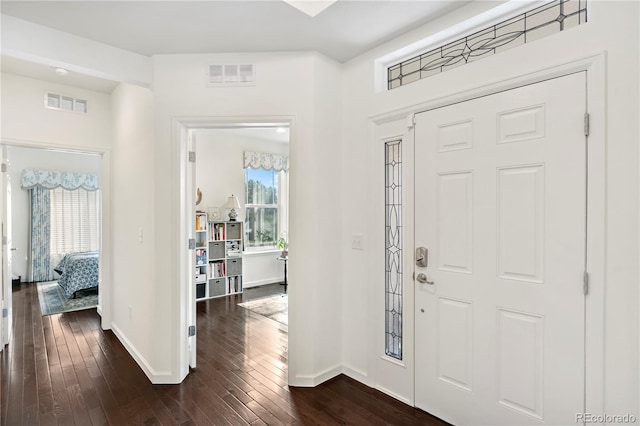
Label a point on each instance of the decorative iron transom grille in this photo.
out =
(393, 249)
(545, 20)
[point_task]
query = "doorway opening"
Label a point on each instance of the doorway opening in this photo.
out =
(53, 200)
(235, 213)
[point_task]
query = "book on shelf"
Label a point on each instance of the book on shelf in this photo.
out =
(217, 270)
(201, 256)
(234, 285)
(201, 222)
(217, 232)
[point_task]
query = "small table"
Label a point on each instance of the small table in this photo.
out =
(284, 259)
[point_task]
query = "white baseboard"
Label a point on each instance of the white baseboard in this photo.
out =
(356, 374)
(310, 381)
(250, 284)
(156, 377)
(395, 395)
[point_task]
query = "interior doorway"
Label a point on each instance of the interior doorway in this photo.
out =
(241, 220)
(256, 188)
(19, 268)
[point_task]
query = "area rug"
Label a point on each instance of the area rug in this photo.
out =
(53, 300)
(273, 307)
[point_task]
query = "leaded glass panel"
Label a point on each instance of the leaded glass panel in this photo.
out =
(540, 22)
(393, 249)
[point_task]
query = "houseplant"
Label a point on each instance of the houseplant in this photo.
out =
(283, 243)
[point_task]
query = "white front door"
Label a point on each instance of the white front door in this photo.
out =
(500, 204)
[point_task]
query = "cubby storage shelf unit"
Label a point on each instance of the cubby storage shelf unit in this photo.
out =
(218, 256)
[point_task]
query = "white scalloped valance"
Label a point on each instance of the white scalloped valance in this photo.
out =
(262, 160)
(50, 180)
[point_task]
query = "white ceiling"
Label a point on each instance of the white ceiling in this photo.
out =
(342, 31)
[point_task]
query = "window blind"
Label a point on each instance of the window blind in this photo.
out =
(74, 220)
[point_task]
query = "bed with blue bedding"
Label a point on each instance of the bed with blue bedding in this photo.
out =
(78, 271)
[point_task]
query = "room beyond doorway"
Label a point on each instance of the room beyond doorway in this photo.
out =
(19, 155)
(241, 213)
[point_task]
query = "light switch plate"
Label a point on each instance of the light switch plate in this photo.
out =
(357, 242)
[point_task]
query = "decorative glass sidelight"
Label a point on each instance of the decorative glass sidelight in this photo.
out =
(540, 22)
(393, 249)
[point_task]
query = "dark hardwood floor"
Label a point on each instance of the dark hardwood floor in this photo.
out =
(63, 369)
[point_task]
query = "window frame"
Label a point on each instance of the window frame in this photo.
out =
(280, 176)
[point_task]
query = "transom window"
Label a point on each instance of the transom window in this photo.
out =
(540, 22)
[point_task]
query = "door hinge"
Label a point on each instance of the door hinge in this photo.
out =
(3, 167)
(192, 156)
(192, 330)
(5, 312)
(411, 121)
(192, 243)
(586, 124)
(585, 283)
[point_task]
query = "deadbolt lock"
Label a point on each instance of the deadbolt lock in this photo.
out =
(422, 257)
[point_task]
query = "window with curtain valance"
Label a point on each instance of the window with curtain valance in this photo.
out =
(64, 217)
(265, 198)
(50, 180)
(263, 160)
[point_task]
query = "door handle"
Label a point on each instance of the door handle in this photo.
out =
(422, 279)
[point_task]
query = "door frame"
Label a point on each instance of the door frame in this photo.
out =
(104, 297)
(595, 67)
(7, 289)
(184, 220)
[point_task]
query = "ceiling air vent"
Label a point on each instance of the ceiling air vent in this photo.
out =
(65, 103)
(229, 75)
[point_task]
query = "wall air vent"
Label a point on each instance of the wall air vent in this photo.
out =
(65, 103)
(230, 75)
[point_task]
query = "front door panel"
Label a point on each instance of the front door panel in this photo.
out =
(500, 186)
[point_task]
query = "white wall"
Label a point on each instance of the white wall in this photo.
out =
(133, 217)
(20, 158)
(287, 84)
(612, 27)
(220, 173)
(25, 118)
